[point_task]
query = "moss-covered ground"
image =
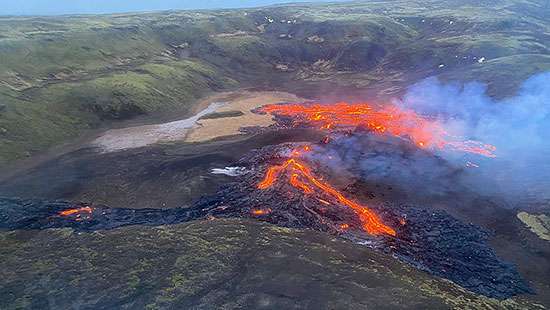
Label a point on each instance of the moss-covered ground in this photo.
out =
(60, 76)
(221, 264)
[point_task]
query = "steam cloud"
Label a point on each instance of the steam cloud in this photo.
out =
(518, 126)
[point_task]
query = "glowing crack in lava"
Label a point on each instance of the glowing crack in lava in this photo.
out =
(261, 212)
(390, 119)
(302, 178)
(77, 211)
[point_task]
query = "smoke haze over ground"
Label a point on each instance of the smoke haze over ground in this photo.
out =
(518, 126)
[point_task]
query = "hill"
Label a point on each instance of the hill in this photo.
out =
(61, 76)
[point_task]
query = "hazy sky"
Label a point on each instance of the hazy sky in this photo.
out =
(53, 7)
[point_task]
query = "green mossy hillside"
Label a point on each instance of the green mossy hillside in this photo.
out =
(222, 264)
(61, 111)
(61, 75)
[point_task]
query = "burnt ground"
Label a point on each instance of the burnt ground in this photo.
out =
(428, 239)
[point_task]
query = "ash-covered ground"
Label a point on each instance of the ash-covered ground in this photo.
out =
(431, 240)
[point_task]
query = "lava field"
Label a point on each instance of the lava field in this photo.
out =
(431, 240)
(289, 185)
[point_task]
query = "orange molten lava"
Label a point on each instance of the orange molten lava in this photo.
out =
(76, 211)
(302, 178)
(294, 180)
(393, 120)
(259, 212)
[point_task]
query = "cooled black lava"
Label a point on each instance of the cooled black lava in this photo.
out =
(430, 240)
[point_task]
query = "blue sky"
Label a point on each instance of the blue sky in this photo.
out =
(54, 7)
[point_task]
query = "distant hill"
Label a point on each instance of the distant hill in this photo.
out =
(60, 76)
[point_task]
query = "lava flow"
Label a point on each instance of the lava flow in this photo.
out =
(81, 210)
(393, 120)
(302, 178)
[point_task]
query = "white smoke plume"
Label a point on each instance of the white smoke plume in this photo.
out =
(518, 126)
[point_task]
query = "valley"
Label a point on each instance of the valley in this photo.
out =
(133, 148)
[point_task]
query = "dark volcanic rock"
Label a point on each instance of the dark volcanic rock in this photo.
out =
(444, 246)
(430, 240)
(37, 214)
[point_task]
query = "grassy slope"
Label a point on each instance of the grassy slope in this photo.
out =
(219, 264)
(55, 84)
(60, 75)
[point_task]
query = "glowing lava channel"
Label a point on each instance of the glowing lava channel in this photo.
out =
(393, 120)
(302, 178)
(76, 211)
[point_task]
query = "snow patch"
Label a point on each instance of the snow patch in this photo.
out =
(230, 171)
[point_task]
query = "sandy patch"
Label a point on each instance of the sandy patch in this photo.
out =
(208, 129)
(139, 136)
(194, 130)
